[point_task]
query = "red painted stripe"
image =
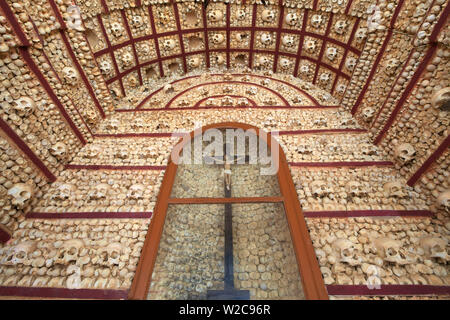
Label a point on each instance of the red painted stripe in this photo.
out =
(155, 36)
(197, 105)
(227, 28)
(4, 235)
(226, 107)
(112, 56)
(180, 36)
(368, 213)
(132, 135)
(315, 3)
(322, 49)
(387, 290)
(286, 103)
(205, 35)
(341, 164)
(252, 37)
(110, 167)
(324, 131)
(372, 71)
(442, 20)
(43, 81)
(14, 24)
(396, 13)
(349, 5)
(64, 293)
(278, 40)
(133, 43)
(89, 215)
(105, 6)
(431, 159)
(82, 74)
(300, 45)
(57, 14)
(406, 93)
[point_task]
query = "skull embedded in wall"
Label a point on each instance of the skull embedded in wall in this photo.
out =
(263, 61)
(127, 59)
(325, 77)
(215, 15)
(218, 38)
(285, 63)
(368, 149)
(70, 251)
(58, 150)
(116, 29)
(21, 194)
(331, 53)
(435, 247)
(100, 191)
(24, 106)
(193, 62)
(92, 151)
(168, 88)
(266, 39)
(319, 189)
(392, 66)
(70, 75)
(404, 153)
(340, 27)
(291, 18)
(341, 88)
(110, 256)
(242, 102)
(361, 34)
(316, 21)
(137, 21)
(350, 63)
(169, 44)
(391, 251)
(219, 59)
(345, 251)
(440, 100)
(443, 200)
(310, 46)
(105, 67)
(63, 191)
(268, 15)
(240, 14)
(354, 189)
(394, 189)
(251, 90)
(136, 192)
(368, 114)
(288, 40)
(304, 69)
(19, 254)
(227, 101)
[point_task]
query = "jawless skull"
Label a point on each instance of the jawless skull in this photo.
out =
(288, 41)
(360, 34)
(394, 189)
(218, 38)
(21, 194)
(215, 15)
(340, 27)
(24, 106)
(105, 67)
(405, 153)
(350, 63)
(443, 200)
(266, 39)
(291, 19)
(310, 46)
(368, 114)
(440, 100)
(268, 15)
(70, 75)
(331, 53)
(316, 21)
(58, 150)
(116, 29)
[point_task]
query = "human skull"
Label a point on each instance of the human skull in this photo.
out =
(242, 102)
(105, 67)
(168, 88)
(291, 18)
(58, 150)
(63, 191)
(92, 151)
(136, 192)
(215, 15)
(361, 34)
(169, 44)
(394, 189)
(227, 89)
(268, 15)
(435, 247)
(288, 40)
(404, 153)
(194, 62)
(440, 100)
(251, 90)
(316, 21)
(341, 88)
(368, 114)
(285, 63)
(19, 253)
(319, 189)
(304, 69)
(303, 149)
(266, 38)
(443, 200)
(340, 26)
(391, 251)
(263, 61)
(137, 21)
(391, 66)
(310, 46)
(368, 149)
(227, 101)
(331, 53)
(324, 77)
(220, 60)
(240, 14)
(127, 59)
(350, 63)
(70, 75)
(24, 106)
(21, 193)
(218, 38)
(354, 188)
(116, 29)
(70, 251)
(99, 192)
(346, 251)
(110, 256)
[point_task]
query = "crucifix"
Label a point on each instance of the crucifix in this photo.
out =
(229, 292)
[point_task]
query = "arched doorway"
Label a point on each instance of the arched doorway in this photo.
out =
(283, 200)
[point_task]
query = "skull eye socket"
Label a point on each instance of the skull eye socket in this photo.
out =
(24, 194)
(21, 255)
(391, 252)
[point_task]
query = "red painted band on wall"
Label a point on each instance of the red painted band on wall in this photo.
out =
(442, 20)
(205, 36)
(57, 14)
(180, 36)
(322, 49)
(64, 293)
(278, 39)
(427, 164)
(110, 167)
(14, 24)
(133, 43)
(301, 39)
(154, 35)
(320, 131)
(368, 213)
(43, 81)
(197, 104)
(387, 290)
(226, 107)
(252, 36)
(89, 215)
(105, 6)
(4, 235)
(341, 164)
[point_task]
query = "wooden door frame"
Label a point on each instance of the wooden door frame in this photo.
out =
(312, 281)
